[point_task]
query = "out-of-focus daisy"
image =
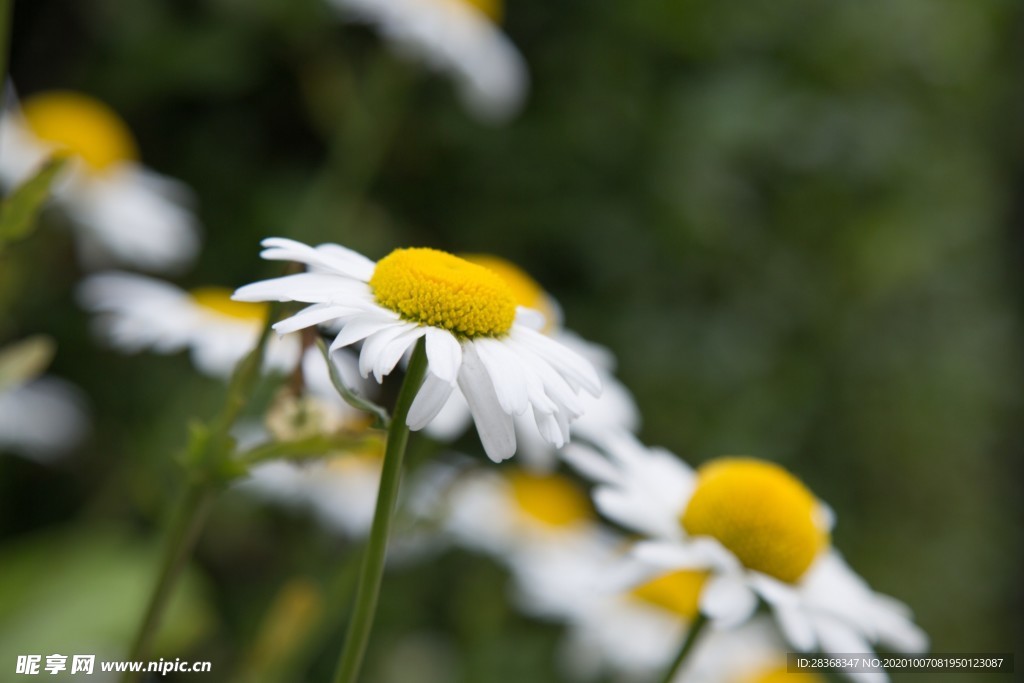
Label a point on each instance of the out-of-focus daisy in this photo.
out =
(614, 409)
(138, 312)
(340, 490)
(759, 532)
(503, 512)
(458, 37)
(125, 211)
(474, 336)
(41, 419)
(545, 530)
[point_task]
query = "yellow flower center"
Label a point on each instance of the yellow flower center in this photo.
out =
(552, 500)
(677, 592)
(760, 512)
(779, 674)
(438, 289)
(80, 126)
(494, 9)
(218, 300)
(524, 288)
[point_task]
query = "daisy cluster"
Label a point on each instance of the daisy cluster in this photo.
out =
(628, 546)
(724, 542)
(126, 215)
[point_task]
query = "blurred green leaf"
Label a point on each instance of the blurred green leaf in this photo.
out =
(83, 590)
(23, 360)
(18, 211)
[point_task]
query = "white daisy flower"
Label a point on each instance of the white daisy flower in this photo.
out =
(613, 410)
(759, 532)
(474, 337)
(458, 37)
(503, 512)
(125, 211)
(637, 632)
(41, 419)
(136, 312)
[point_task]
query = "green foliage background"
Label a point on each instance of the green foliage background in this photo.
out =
(798, 224)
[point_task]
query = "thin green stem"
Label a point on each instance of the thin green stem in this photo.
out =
(691, 639)
(376, 548)
(191, 516)
(207, 460)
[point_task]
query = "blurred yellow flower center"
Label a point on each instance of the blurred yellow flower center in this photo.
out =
(677, 592)
(779, 674)
(438, 289)
(524, 288)
(81, 126)
(218, 300)
(760, 512)
(552, 500)
(367, 458)
(494, 9)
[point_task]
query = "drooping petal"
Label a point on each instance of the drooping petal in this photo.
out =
(310, 316)
(360, 327)
(444, 354)
(429, 401)
(371, 355)
(506, 373)
(495, 426)
(727, 600)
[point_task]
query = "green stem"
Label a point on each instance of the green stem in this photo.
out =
(209, 452)
(691, 639)
(191, 517)
(373, 561)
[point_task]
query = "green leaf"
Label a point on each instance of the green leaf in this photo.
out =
(83, 589)
(21, 361)
(18, 211)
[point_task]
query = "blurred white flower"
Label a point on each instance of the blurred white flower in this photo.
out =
(136, 313)
(613, 410)
(758, 532)
(41, 419)
(458, 37)
(474, 336)
(340, 490)
(126, 212)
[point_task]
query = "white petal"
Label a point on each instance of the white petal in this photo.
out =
(727, 600)
(566, 362)
(310, 316)
(130, 215)
(361, 326)
(372, 356)
(331, 257)
(444, 354)
(590, 463)
(797, 627)
(496, 428)
(394, 350)
(429, 401)
(310, 288)
(506, 372)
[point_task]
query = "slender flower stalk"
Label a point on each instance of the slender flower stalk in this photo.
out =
(688, 644)
(373, 561)
(208, 456)
(191, 518)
